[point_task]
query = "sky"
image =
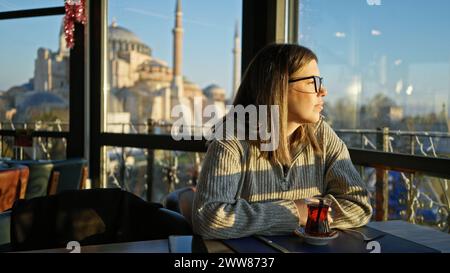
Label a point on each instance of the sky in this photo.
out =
(390, 47)
(400, 48)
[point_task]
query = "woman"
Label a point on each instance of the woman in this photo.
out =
(243, 190)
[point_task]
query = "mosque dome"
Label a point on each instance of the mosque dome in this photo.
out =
(122, 38)
(38, 99)
(214, 92)
(122, 34)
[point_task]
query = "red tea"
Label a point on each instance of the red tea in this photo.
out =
(317, 223)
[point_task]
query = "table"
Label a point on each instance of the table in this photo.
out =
(426, 236)
(174, 244)
(399, 237)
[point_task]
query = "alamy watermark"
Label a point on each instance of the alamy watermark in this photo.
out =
(74, 246)
(73, 2)
(374, 247)
(374, 2)
(244, 123)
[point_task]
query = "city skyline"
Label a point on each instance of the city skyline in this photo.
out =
(327, 27)
(208, 37)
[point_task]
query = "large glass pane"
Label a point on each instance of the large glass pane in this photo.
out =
(167, 53)
(128, 169)
(12, 5)
(422, 143)
(386, 64)
(419, 198)
(41, 148)
(34, 81)
(34, 74)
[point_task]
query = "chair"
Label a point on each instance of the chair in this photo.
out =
(48, 177)
(13, 185)
(72, 174)
(95, 216)
(5, 227)
(180, 201)
(40, 174)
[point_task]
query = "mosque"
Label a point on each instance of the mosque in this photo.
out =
(141, 86)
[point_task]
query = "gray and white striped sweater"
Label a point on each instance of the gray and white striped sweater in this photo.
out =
(241, 194)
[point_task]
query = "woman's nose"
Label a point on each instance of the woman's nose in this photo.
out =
(323, 91)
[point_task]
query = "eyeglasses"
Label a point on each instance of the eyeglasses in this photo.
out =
(317, 83)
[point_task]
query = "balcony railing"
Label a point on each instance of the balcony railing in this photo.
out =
(410, 185)
(406, 194)
(49, 140)
(436, 144)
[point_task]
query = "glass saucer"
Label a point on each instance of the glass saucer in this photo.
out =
(316, 240)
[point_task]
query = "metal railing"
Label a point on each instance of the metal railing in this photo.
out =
(409, 142)
(421, 194)
(384, 162)
(49, 140)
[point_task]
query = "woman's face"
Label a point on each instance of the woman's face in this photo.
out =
(304, 104)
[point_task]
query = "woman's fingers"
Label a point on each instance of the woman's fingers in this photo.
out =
(330, 218)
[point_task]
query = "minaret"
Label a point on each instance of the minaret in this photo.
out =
(114, 22)
(177, 89)
(62, 50)
(177, 81)
(236, 61)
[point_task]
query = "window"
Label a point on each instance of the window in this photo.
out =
(11, 5)
(420, 198)
(34, 84)
(385, 66)
(153, 65)
(134, 169)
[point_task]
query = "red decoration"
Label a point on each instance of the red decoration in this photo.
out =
(75, 13)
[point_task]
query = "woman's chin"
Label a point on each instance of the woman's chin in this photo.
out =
(313, 119)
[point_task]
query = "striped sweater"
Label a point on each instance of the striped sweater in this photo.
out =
(240, 194)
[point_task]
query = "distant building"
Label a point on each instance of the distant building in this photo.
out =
(388, 116)
(118, 123)
(44, 106)
(140, 84)
(395, 113)
(51, 69)
(216, 96)
(236, 62)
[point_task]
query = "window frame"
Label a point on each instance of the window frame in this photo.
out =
(75, 135)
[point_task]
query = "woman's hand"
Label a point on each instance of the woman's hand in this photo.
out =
(302, 210)
(330, 218)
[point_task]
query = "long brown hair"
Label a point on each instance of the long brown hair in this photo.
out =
(265, 82)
